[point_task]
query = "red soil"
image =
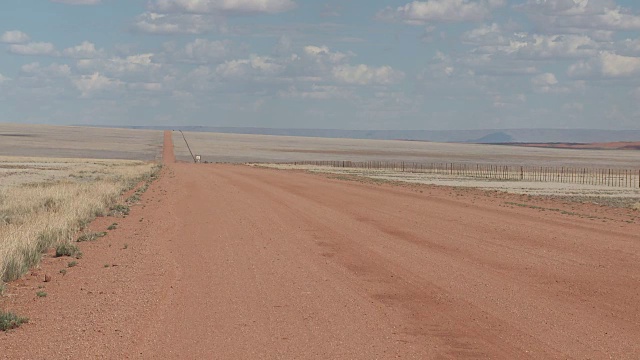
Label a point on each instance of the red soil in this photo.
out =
(234, 262)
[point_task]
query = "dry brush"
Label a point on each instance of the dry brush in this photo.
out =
(55, 200)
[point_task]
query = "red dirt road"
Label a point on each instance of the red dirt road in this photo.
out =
(256, 263)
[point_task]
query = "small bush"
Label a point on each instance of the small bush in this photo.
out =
(41, 294)
(9, 320)
(72, 264)
(63, 272)
(120, 210)
(91, 236)
(67, 250)
(636, 206)
(113, 226)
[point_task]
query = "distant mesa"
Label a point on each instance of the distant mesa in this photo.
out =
(494, 138)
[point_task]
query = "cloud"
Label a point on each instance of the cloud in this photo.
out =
(322, 53)
(492, 39)
(317, 92)
(86, 50)
(423, 12)
(485, 35)
(53, 70)
(90, 84)
(118, 66)
(14, 37)
(546, 79)
(78, 2)
(571, 16)
(222, 6)
(205, 51)
(246, 68)
(171, 24)
(364, 74)
(613, 65)
(33, 48)
(554, 46)
(146, 86)
(607, 64)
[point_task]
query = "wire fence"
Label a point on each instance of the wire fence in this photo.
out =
(588, 176)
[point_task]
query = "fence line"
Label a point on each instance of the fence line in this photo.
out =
(573, 175)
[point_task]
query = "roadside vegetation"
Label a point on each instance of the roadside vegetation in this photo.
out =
(46, 203)
(9, 320)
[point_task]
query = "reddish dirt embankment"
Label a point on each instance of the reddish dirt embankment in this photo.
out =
(237, 262)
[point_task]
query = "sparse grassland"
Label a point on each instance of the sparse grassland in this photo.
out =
(45, 202)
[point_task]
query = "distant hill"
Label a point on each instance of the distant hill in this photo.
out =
(494, 138)
(474, 136)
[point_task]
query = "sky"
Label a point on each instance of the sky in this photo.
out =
(347, 64)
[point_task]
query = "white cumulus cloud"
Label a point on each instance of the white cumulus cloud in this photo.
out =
(614, 65)
(14, 37)
(422, 12)
(254, 66)
(574, 16)
(606, 64)
(86, 50)
(322, 53)
(90, 84)
(226, 6)
(205, 51)
(33, 48)
(78, 2)
(364, 74)
(170, 24)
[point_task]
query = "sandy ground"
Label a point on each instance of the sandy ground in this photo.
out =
(277, 149)
(79, 142)
(514, 187)
(229, 261)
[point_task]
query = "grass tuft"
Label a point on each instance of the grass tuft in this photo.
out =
(91, 236)
(9, 321)
(67, 250)
(120, 210)
(72, 264)
(41, 294)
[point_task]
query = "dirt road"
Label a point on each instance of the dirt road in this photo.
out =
(259, 263)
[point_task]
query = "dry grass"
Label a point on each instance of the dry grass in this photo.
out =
(56, 199)
(636, 206)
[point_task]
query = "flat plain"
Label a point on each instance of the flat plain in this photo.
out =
(250, 262)
(237, 148)
(79, 142)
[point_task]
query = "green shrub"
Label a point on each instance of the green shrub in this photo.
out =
(67, 250)
(9, 320)
(91, 236)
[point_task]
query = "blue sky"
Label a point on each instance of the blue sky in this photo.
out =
(378, 64)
